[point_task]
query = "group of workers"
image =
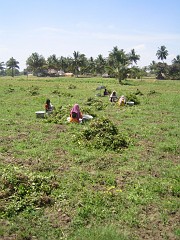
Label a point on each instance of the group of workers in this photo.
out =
(113, 98)
(76, 114)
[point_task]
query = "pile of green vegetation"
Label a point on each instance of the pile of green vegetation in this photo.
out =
(33, 90)
(59, 116)
(26, 191)
(102, 134)
(97, 104)
(133, 97)
(62, 94)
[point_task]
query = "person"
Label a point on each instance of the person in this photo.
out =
(105, 92)
(75, 114)
(113, 97)
(122, 101)
(48, 106)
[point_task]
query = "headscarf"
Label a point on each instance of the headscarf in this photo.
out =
(113, 94)
(122, 100)
(76, 110)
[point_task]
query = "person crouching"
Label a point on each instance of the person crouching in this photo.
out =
(122, 101)
(75, 114)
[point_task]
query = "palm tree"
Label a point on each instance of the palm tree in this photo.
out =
(35, 63)
(100, 63)
(176, 60)
(118, 62)
(91, 65)
(133, 57)
(162, 53)
(63, 63)
(152, 67)
(53, 62)
(1, 65)
(78, 62)
(12, 64)
(1, 68)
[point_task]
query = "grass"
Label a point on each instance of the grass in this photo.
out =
(68, 181)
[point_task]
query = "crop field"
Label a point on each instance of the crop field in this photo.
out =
(115, 177)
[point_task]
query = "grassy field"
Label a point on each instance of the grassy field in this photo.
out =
(115, 177)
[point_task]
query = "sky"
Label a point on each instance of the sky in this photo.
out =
(91, 27)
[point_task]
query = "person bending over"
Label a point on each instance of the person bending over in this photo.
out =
(75, 114)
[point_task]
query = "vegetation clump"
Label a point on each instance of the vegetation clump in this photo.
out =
(102, 133)
(25, 191)
(96, 103)
(133, 97)
(62, 94)
(34, 90)
(71, 86)
(59, 115)
(151, 92)
(138, 92)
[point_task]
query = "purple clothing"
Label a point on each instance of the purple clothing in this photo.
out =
(76, 110)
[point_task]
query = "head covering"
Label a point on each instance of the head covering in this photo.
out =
(48, 101)
(122, 100)
(113, 94)
(76, 110)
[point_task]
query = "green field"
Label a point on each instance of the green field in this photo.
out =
(115, 177)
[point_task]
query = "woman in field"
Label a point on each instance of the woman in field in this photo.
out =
(75, 114)
(106, 93)
(113, 97)
(122, 101)
(48, 106)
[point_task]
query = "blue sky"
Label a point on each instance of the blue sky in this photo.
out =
(91, 27)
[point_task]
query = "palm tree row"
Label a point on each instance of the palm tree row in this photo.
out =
(115, 64)
(118, 64)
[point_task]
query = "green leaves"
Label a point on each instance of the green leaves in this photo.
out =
(102, 133)
(25, 190)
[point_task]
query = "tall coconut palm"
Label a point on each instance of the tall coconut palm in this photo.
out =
(78, 61)
(1, 65)
(176, 60)
(91, 65)
(63, 63)
(118, 62)
(162, 53)
(100, 63)
(1, 68)
(52, 62)
(152, 66)
(133, 57)
(35, 63)
(12, 64)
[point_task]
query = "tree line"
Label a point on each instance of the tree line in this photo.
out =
(118, 64)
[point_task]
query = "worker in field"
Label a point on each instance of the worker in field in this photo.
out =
(75, 114)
